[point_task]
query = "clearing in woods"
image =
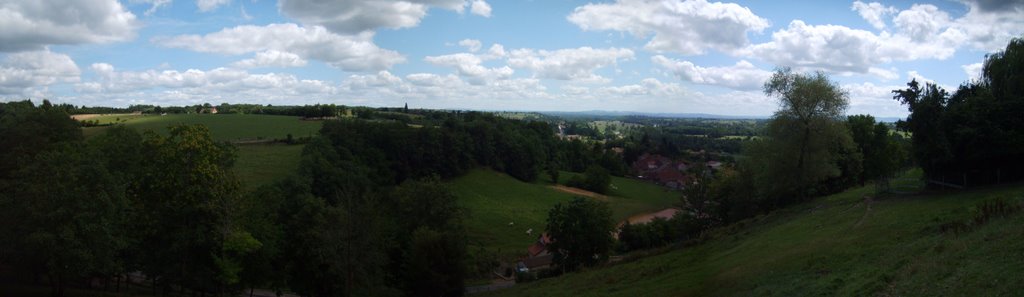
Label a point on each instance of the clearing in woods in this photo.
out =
(257, 164)
(495, 199)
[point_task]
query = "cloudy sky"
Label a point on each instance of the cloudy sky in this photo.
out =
(625, 55)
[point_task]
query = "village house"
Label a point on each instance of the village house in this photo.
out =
(662, 170)
(537, 254)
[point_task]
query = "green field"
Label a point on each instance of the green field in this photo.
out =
(495, 199)
(837, 245)
(225, 127)
(260, 164)
(257, 164)
(629, 196)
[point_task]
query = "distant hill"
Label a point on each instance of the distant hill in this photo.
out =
(604, 113)
(944, 244)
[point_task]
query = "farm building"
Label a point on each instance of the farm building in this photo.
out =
(537, 253)
(662, 170)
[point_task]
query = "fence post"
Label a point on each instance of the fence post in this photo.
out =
(999, 176)
(965, 180)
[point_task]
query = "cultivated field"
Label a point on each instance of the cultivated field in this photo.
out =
(839, 245)
(257, 164)
(260, 164)
(224, 127)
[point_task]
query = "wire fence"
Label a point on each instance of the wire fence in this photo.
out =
(974, 178)
(907, 183)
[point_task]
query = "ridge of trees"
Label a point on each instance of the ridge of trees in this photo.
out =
(976, 132)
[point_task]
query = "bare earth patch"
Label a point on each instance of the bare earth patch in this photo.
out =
(79, 117)
(580, 192)
(648, 217)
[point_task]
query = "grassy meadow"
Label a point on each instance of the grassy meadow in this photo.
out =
(224, 127)
(257, 164)
(260, 164)
(495, 199)
(838, 245)
(628, 197)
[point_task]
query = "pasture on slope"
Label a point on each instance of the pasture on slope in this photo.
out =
(495, 199)
(257, 164)
(840, 245)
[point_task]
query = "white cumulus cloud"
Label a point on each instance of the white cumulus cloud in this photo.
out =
(472, 45)
(922, 31)
(23, 73)
(209, 5)
(32, 25)
(688, 27)
(480, 7)
(471, 66)
(271, 58)
(354, 16)
(742, 76)
(921, 21)
(873, 13)
(973, 70)
(568, 64)
(197, 86)
(348, 52)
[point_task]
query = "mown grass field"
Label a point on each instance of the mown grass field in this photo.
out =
(628, 197)
(224, 127)
(257, 164)
(838, 245)
(261, 164)
(495, 199)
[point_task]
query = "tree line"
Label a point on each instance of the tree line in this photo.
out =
(976, 132)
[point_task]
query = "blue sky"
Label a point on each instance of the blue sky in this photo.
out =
(626, 55)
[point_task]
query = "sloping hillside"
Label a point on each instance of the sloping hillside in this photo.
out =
(839, 245)
(495, 199)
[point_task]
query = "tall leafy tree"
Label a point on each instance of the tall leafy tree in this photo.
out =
(805, 136)
(581, 233)
(931, 147)
(70, 209)
(882, 152)
(431, 237)
(188, 206)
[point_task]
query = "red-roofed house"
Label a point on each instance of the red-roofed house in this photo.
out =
(540, 247)
(537, 253)
(662, 170)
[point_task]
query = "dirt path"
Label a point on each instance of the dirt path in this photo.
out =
(580, 192)
(648, 217)
(867, 201)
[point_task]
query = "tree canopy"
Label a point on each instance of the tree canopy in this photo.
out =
(806, 138)
(581, 233)
(977, 132)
